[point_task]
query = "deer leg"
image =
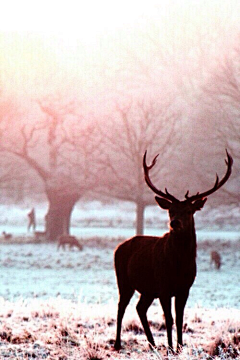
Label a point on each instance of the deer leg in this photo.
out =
(166, 305)
(123, 303)
(180, 302)
(142, 307)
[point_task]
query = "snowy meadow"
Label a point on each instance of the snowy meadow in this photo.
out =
(58, 304)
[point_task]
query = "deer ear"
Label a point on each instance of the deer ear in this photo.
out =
(164, 204)
(198, 205)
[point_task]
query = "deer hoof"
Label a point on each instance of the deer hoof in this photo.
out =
(117, 346)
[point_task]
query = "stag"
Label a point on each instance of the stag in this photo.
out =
(162, 267)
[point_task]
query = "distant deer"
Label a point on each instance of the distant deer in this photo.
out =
(40, 235)
(162, 267)
(6, 235)
(216, 259)
(68, 240)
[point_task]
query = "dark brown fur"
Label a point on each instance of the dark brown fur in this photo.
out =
(162, 267)
(159, 267)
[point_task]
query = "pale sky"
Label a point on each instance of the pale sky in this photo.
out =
(75, 39)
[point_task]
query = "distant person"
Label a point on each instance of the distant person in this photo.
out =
(32, 220)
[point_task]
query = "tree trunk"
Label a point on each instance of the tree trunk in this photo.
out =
(59, 214)
(140, 218)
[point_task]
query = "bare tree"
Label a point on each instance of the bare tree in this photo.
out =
(221, 94)
(137, 126)
(10, 173)
(60, 147)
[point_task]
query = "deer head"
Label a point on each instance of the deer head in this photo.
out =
(181, 212)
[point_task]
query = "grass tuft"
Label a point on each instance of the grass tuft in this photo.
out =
(61, 329)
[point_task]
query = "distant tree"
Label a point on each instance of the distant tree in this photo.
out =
(11, 171)
(62, 147)
(135, 128)
(9, 174)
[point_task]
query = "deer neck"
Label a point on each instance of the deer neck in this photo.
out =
(184, 241)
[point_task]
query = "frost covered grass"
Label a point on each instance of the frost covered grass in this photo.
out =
(63, 304)
(41, 271)
(62, 329)
(80, 322)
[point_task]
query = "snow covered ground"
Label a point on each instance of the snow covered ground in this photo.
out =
(40, 270)
(90, 217)
(62, 304)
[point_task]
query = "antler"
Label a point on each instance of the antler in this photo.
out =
(217, 184)
(146, 168)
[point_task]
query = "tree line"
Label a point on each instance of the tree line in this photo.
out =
(71, 156)
(70, 152)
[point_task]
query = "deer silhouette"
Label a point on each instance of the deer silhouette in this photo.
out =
(68, 240)
(162, 267)
(216, 259)
(7, 236)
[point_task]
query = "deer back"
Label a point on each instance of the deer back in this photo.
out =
(152, 266)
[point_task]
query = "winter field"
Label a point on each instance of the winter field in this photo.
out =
(59, 304)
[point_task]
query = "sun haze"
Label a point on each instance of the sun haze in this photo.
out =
(84, 19)
(50, 36)
(89, 44)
